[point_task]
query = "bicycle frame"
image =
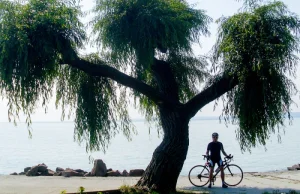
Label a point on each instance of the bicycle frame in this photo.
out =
(226, 163)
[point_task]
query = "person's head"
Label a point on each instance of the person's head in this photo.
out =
(215, 137)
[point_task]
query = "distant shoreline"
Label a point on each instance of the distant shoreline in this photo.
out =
(293, 115)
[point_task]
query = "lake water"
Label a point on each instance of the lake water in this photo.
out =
(52, 144)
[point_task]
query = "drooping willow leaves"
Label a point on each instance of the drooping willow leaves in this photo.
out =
(32, 36)
(135, 29)
(258, 48)
(100, 112)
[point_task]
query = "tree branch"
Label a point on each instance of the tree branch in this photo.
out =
(104, 70)
(210, 94)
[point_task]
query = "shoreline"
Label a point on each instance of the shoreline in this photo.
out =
(253, 182)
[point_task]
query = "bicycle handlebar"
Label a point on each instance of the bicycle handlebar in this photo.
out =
(226, 158)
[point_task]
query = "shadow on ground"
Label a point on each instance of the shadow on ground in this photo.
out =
(240, 190)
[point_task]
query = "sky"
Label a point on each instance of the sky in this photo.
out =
(215, 9)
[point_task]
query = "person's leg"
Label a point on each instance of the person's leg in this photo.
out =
(211, 171)
(222, 174)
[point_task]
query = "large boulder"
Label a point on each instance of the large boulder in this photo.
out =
(59, 169)
(27, 169)
(22, 173)
(99, 168)
(33, 171)
(125, 173)
(294, 167)
(37, 170)
(69, 173)
(87, 174)
(136, 172)
(14, 173)
(48, 173)
(108, 170)
(80, 171)
(58, 173)
(42, 168)
(114, 173)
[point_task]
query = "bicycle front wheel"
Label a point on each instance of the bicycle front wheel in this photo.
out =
(233, 175)
(199, 176)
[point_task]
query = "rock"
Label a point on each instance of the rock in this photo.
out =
(294, 167)
(290, 169)
(114, 173)
(22, 173)
(27, 169)
(33, 171)
(57, 173)
(42, 168)
(69, 169)
(14, 173)
(69, 173)
(136, 172)
(125, 173)
(37, 170)
(87, 174)
(99, 168)
(59, 169)
(108, 170)
(79, 170)
(47, 173)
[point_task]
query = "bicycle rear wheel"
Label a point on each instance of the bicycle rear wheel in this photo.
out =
(199, 176)
(233, 175)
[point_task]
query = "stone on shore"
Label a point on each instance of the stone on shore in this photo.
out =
(59, 169)
(99, 168)
(108, 170)
(136, 172)
(37, 170)
(69, 173)
(294, 167)
(27, 169)
(125, 173)
(87, 174)
(57, 173)
(114, 173)
(14, 173)
(22, 173)
(48, 172)
(80, 171)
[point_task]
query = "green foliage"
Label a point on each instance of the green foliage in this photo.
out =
(100, 111)
(133, 29)
(63, 192)
(32, 37)
(258, 48)
(81, 190)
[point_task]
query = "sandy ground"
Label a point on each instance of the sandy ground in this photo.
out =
(252, 183)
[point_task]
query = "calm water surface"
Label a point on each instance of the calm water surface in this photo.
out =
(52, 144)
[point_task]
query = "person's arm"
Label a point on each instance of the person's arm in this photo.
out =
(223, 151)
(208, 148)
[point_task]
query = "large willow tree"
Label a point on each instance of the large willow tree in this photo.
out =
(146, 54)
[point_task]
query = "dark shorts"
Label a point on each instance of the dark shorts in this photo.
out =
(212, 163)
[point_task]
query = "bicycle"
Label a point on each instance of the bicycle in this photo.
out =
(199, 174)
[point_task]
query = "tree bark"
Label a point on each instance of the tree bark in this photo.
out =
(168, 158)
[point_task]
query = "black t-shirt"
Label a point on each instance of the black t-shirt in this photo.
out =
(215, 150)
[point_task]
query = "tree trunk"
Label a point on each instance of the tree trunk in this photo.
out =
(168, 158)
